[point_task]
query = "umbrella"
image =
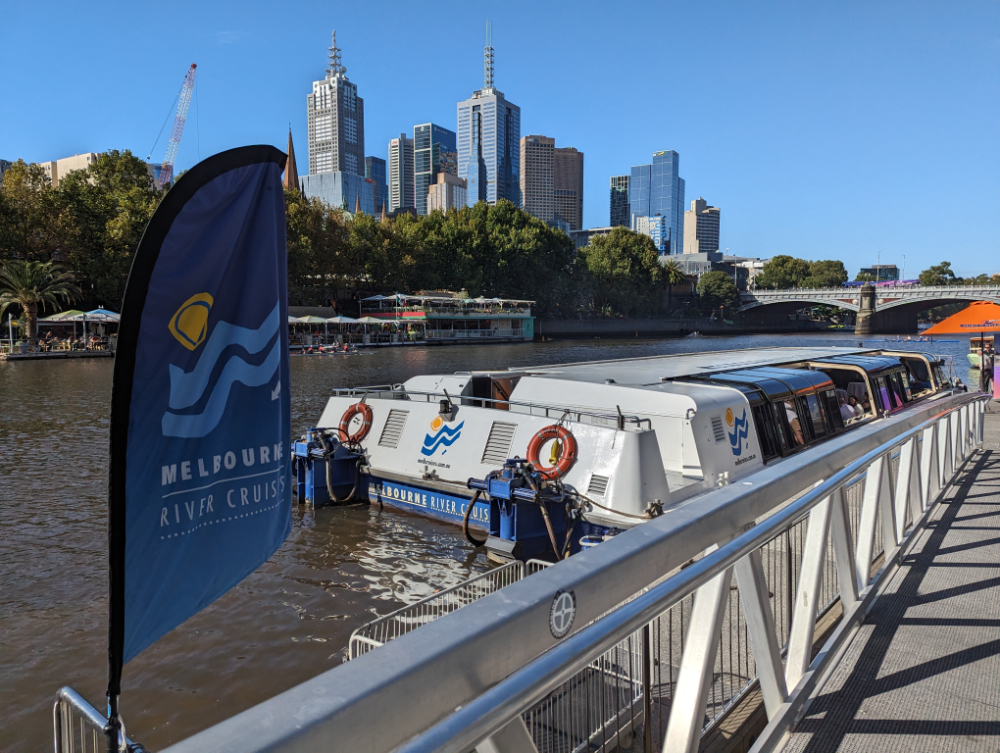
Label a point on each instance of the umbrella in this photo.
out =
(370, 320)
(341, 320)
(63, 316)
(980, 317)
(311, 320)
(293, 320)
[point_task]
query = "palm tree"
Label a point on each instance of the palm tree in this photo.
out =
(30, 284)
(673, 274)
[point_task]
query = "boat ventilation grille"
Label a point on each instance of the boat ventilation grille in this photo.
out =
(598, 485)
(720, 433)
(393, 429)
(499, 442)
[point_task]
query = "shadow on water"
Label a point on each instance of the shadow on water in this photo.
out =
(288, 621)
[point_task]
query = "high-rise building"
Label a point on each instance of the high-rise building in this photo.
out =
(432, 145)
(375, 170)
(701, 228)
(489, 132)
(568, 186)
(538, 177)
(447, 193)
(336, 117)
(657, 190)
(401, 173)
(620, 214)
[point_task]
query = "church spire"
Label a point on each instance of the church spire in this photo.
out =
(383, 212)
(357, 204)
(291, 179)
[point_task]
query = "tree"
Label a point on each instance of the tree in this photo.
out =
(825, 274)
(938, 274)
(673, 274)
(626, 272)
(783, 272)
(30, 284)
(716, 290)
(34, 223)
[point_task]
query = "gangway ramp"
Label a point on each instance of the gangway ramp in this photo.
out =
(923, 672)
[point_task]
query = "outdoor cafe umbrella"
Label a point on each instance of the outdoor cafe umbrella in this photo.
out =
(63, 317)
(310, 319)
(980, 317)
(101, 316)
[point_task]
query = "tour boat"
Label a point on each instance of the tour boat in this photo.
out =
(543, 461)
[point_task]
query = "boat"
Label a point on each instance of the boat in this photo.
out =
(976, 345)
(542, 462)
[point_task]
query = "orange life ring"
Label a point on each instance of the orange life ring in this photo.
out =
(566, 458)
(366, 422)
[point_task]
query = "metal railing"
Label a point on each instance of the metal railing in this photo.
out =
(77, 726)
(668, 637)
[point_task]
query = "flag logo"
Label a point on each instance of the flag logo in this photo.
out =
(741, 429)
(190, 324)
(442, 435)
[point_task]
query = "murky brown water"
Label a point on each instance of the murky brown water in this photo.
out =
(287, 622)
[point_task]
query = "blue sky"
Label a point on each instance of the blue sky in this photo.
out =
(823, 130)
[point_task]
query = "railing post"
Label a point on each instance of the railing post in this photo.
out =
(647, 689)
(843, 551)
(874, 506)
(697, 665)
(930, 478)
(907, 488)
(946, 459)
(514, 738)
(752, 583)
(800, 641)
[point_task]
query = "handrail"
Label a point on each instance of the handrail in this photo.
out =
(467, 653)
(76, 725)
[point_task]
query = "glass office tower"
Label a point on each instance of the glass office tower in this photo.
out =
(620, 214)
(432, 146)
(375, 170)
(657, 190)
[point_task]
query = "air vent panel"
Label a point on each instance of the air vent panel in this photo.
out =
(598, 485)
(498, 444)
(393, 429)
(717, 430)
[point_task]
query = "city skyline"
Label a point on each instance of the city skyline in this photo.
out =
(817, 109)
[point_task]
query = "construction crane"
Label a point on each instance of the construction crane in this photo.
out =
(183, 103)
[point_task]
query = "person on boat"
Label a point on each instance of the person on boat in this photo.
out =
(793, 423)
(986, 374)
(846, 411)
(866, 405)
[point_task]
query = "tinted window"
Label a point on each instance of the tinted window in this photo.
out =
(816, 415)
(767, 433)
(781, 426)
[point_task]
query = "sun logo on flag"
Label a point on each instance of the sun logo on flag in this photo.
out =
(190, 323)
(440, 435)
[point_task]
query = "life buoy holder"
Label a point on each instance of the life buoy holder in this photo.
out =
(566, 457)
(365, 412)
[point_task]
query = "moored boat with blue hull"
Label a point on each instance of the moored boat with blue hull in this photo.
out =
(541, 461)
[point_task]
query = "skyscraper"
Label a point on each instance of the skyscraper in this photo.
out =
(336, 117)
(701, 228)
(401, 173)
(432, 146)
(568, 186)
(375, 170)
(657, 190)
(489, 132)
(538, 177)
(620, 214)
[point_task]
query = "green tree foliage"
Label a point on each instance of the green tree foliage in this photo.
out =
(625, 271)
(318, 253)
(33, 221)
(939, 274)
(34, 285)
(673, 274)
(716, 290)
(784, 272)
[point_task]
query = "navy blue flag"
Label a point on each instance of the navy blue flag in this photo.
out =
(200, 420)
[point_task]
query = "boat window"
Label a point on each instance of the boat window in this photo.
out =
(783, 432)
(904, 382)
(818, 420)
(794, 423)
(767, 432)
(939, 376)
(881, 402)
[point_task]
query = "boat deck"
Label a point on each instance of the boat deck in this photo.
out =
(922, 672)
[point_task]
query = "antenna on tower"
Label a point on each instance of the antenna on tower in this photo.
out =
(489, 57)
(336, 67)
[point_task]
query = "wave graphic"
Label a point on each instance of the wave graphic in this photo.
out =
(741, 429)
(445, 436)
(187, 388)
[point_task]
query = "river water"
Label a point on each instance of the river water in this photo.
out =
(288, 621)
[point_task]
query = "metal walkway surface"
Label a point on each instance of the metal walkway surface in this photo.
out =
(923, 672)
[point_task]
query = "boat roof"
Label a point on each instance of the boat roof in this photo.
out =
(656, 369)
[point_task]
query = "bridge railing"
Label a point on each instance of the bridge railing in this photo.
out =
(469, 679)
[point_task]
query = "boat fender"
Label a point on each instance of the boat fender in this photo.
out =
(366, 423)
(566, 457)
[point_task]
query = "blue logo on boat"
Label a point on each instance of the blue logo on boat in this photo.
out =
(443, 435)
(189, 388)
(741, 429)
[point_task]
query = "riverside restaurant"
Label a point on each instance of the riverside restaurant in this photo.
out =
(420, 319)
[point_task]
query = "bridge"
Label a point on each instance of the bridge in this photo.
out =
(880, 310)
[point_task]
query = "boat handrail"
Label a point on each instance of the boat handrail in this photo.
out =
(398, 392)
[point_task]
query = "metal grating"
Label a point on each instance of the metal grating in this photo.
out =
(717, 430)
(598, 485)
(393, 429)
(498, 444)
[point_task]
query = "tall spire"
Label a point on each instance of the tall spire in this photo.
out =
(291, 179)
(488, 63)
(383, 211)
(357, 204)
(335, 68)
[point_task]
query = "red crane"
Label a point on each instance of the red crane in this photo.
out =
(183, 103)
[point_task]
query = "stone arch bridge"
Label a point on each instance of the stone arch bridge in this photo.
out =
(880, 310)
